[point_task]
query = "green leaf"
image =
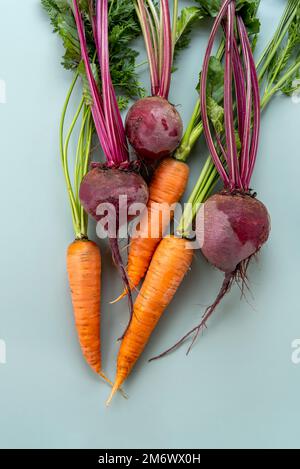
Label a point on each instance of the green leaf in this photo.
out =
(86, 91)
(123, 29)
(285, 57)
(216, 114)
(185, 22)
(215, 80)
(246, 8)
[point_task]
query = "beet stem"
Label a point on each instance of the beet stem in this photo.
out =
(117, 258)
(240, 76)
(167, 50)
(153, 65)
(203, 96)
(228, 102)
(105, 110)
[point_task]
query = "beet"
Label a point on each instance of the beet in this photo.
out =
(103, 185)
(154, 128)
(106, 185)
(235, 228)
(235, 223)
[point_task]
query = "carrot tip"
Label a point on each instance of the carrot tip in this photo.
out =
(116, 387)
(113, 392)
(108, 381)
(119, 298)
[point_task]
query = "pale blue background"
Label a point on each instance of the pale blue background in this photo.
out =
(239, 387)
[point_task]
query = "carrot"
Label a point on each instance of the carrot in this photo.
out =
(84, 272)
(166, 188)
(170, 263)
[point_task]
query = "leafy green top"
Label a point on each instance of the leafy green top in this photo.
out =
(123, 28)
(246, 8)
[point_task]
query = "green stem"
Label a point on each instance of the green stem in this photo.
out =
(194, 128)
(64, 157)
(267, 56)
(188, 215)
(66, 170)
(174, 23)
(270, 93)
(79, 171)
(185, 147)
(278, 68)
(85, 165)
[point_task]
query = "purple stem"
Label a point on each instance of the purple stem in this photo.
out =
(149, 47)
(101, 34)
(111, 110)
(105, 110)
(203, 96)
(97, 104)
(167, 50)
(93, 19)
(153, 35)
(246, 137)
(228, 101)
(240, 88)
(256, 104)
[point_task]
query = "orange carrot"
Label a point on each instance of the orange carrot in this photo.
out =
(166, 188)
(170, 263)
(84, 271)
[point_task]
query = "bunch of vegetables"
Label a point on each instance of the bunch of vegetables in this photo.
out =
(97, 39)
(232, 91)
(83, 255)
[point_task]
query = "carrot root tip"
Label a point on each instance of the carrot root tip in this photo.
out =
(116, 387)
(113, 392)
(119, 298)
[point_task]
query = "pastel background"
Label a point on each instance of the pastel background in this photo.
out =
(239, 386)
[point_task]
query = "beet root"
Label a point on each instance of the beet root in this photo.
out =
(108, 185)
(235, 227)
(231, 229)
(154, 128)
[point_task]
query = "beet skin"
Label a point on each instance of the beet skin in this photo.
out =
(235, 228)
(154, 128)
(106, 185)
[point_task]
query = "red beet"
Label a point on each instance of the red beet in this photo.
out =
(235, 228)
(154, 128)
(106, 185)
(231, 229)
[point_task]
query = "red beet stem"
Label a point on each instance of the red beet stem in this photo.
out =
(160, 56)
(167, 50)
(241, 83)
(228, 101)
(105, 110)
(117, 258)
(203, 95)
